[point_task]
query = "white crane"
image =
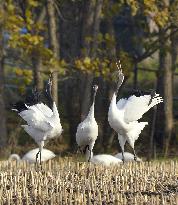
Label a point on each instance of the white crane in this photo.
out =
(87, 130)
(30, 156)
(128, 157)
(43, 123)
(103, 159)
(123, 117)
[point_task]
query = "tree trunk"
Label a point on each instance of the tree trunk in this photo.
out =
(108, 133)
(37, 68)
(174, 50)
(70, 43)
(36, 58)
(54, 43)
(164, 87)
(91, 23)
(3, 129)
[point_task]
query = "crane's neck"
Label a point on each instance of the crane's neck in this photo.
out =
(119, 83)
(41, 145)
(113, 101)
(14, 157)
(49, 93)
(92, 108)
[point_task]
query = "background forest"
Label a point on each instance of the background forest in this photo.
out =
(82, 40)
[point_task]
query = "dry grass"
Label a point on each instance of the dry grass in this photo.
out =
(64, 182)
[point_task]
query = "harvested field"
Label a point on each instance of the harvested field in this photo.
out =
(65, 182)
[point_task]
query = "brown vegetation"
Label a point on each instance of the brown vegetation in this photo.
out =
(67, 182)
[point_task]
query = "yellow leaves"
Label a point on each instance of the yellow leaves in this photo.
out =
(162, 18)
(87, 61)
(111, 8)
(18, 72)
(33, 39)
(103, 66)
(10, 7)
(23, 78)
(88, 39)
(24, 73)
(33, 3)
(95, 66)
(158, 11)
(134, 4)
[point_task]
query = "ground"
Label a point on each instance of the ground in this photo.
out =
(62, 181)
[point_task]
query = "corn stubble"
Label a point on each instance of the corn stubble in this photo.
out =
(65, 182)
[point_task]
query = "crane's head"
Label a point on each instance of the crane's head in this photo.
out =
(95, 88)
(120, 73)
(50, 77)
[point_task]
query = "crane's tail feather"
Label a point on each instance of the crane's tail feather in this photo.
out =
(134, 133)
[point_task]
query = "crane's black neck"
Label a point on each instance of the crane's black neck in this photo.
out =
(49, 93)
(94, 96)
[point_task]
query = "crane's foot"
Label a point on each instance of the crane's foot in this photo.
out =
(135, 156)
(37, 163)
(123, 158)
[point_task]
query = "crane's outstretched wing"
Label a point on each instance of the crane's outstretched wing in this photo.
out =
(133, 134)
(36, 134)
(137, 106)
(36, 118)
(121, 103)
(45, 109)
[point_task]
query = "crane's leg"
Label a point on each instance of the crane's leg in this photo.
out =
(40, 159)
(89, 156)
(90, 153)
(37, 158)
(135, 156)
(79, 150)
(123, 159)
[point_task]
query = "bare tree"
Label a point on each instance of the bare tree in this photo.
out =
(90, 28)
(36, 57)
(164, 86)
(3, 129)
(54, 43)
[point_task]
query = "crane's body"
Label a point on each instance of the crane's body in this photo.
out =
(102, 159)
(128, 157)
(30, 156)
(123, 115)
(105, 159)
(43, 122)
(87, 130)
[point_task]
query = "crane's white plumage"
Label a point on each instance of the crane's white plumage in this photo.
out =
(103, 159)
(14, 157)
(45, 155)
(123, 117)
(134, 107)
(87, 131)
(31, 155)
(128, 157)
(43, 123)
